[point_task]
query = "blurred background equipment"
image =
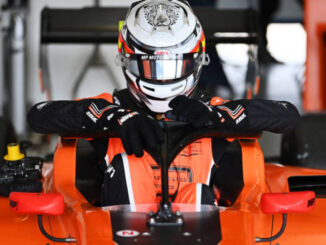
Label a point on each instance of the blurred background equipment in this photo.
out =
(314, 98)
(7, 135)
(14, 50)
(2, 86)
(79, 26)
(83, 69)
(99, 25)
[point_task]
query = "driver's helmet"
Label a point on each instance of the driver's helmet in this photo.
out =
(161, 51)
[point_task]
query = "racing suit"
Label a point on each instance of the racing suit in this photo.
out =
(199, 167)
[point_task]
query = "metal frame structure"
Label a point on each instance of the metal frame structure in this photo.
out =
(13, 63)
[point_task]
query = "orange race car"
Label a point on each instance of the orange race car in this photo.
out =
(277, 204)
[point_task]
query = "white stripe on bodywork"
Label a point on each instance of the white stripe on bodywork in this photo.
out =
(210, 172)
(198, 196)
(128, 181)
(107, 159)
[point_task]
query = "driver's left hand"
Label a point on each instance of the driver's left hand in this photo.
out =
(194, 111)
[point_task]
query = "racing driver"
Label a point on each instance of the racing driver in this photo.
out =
(162, 51)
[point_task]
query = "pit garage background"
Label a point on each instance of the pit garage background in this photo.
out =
(282, 77)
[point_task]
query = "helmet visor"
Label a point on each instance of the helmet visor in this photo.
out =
(163, 67)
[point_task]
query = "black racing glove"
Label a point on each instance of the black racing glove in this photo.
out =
(199, 114)
(137, 131)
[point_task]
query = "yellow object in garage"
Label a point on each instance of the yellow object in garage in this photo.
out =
(14, 153)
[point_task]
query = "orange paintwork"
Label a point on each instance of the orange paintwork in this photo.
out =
(253, 173)
(277, 175)
(257, 85)
(240, 224)
(91, 223)
(314, 96)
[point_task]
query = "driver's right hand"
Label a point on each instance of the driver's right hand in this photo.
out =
(139, 132)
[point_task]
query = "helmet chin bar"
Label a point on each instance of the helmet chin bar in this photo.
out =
(161, 104)
(162, 91)
(156, 106)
